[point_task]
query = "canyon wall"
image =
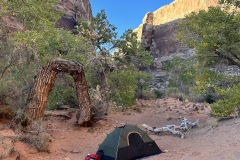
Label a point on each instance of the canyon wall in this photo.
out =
(157, 32)
(175, 10)
(74, 10)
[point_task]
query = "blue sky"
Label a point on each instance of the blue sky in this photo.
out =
(126, 14)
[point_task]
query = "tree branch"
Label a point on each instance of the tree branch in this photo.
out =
(224, 56)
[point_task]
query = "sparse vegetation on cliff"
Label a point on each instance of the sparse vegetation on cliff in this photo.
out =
(215, 35)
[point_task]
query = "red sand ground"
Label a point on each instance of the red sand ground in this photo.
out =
(210, 140)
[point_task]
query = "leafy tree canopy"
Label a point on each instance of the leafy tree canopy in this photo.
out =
(103, 36)
(25, 50)
(215, 34)
(117, 58)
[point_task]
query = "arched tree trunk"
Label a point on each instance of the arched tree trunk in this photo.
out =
(44, 82)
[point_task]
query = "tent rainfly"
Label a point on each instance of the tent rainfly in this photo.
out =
(128, 142)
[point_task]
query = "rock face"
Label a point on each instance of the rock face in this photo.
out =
(73, 11)
(148, 32)
(175, 10)
(158, 34)
(157, 30)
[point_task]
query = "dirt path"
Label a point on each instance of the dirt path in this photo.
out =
(210, 140)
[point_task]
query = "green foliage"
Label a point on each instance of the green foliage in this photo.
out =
(148, 95)
(195, 82)
(183, 75)
(123, 85)
(34, 14)
(229, 3)
(25, 50)
(169, 65)
(159, 94)
(215, 34)
(8, 91)
(229, 102)
(63, 92)
(210, 85)
(205, 80)
(41, 40)
(92, 75)
(130, 50)
(116, 65)
(59, 94)
(100, 32)
(52, 43)
(142, 91)
(103, 36)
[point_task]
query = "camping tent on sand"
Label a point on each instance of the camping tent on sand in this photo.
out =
(128, 142)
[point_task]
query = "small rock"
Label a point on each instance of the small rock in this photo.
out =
(165, 151)
(168, 118)
(195, 108)
(75, 151)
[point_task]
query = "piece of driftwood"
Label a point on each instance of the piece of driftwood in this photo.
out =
(174, 129)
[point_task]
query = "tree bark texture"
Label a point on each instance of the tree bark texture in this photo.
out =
(44, 82)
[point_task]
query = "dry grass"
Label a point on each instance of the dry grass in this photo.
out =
(41, 143)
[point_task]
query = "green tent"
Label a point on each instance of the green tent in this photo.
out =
(128, 142)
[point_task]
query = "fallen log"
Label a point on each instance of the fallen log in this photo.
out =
(174, 129)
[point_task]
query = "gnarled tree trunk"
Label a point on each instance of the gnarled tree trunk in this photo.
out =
(44, 82)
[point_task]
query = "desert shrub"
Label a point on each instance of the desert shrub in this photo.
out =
(63, 92)
(169, 65)
(229, 102)
(92, 74)
(223, 108)
(182, 75)
(41, 143)
(209, 98)
(12, 95)
(176, 93)
(209, 95)
(147, 94)
(127, 85)
(159, 94)
(142, 91)
(183, 80)
(123, 85)
(7, 90)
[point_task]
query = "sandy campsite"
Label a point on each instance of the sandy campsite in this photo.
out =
(211, 139)
(69, 78)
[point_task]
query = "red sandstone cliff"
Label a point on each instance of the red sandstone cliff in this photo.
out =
(175, 10)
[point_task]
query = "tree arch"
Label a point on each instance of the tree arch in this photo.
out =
(44, 82)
